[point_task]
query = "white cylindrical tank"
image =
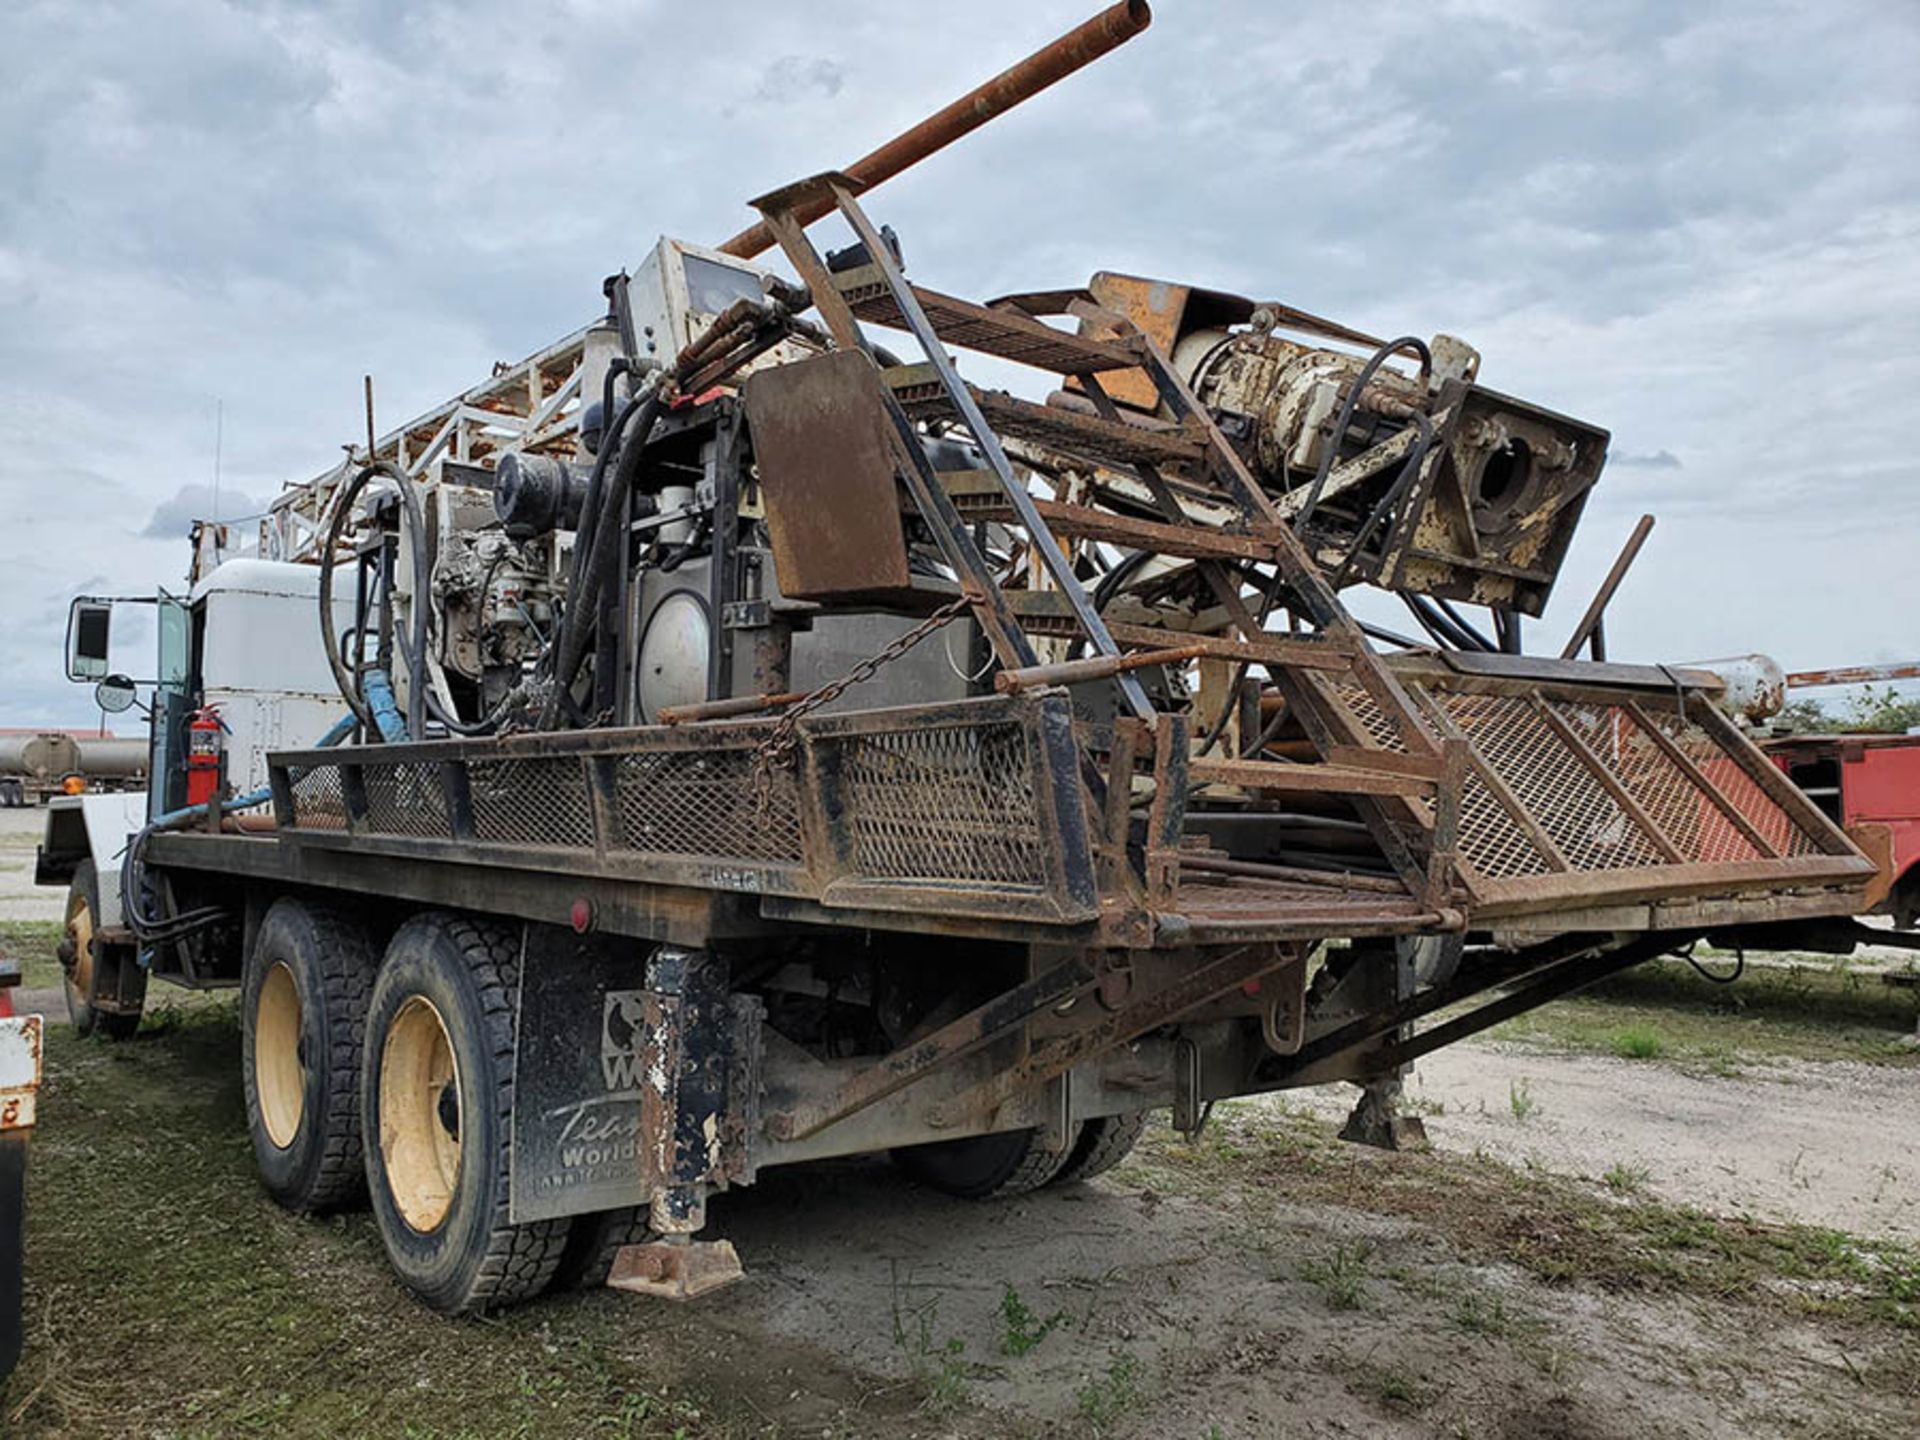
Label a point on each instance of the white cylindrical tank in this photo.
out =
(1756, 686)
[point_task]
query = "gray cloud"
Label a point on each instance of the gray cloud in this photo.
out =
(795, 76)
(1664, 219)
(173, 517)
(1657, 460)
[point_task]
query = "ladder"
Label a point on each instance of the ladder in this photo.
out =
(1390, 774)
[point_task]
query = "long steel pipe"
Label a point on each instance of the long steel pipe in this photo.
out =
(1080, 46)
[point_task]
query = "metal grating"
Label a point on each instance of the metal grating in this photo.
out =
(1774, 824)
(530, 802)
(406, 798)
(954, 803)
(1491, 840)
(704, 802)
(319, 801)
(1686, 815)
(1558, 790)
(1591, 829)
(1380, 730)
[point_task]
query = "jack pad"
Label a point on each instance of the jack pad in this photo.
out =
(675, 1271)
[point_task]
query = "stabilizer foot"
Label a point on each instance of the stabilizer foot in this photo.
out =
(678, 1269)
(1376, 1120)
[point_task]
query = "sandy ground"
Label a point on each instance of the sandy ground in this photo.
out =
(20, 898)
(1822, 1144)
(1204, 1309)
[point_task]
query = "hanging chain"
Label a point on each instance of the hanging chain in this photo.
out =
(777, 750)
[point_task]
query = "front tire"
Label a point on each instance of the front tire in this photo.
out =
(303, 1025)
(105, 986)
(436, 1104)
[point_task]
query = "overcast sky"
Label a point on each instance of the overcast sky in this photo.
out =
(1697, 225)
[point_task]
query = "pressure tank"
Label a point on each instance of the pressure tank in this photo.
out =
(109, 757)
(44, 757)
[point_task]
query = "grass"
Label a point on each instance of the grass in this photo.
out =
(1341, 1276)
(1107, 1398)
(1638, 1042)
(1020, 1329)
(1520, 1100)
(32, 943)
(166, 1296)
(1817, 1009)
(1625, 1179)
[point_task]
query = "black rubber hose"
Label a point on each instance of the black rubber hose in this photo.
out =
(1466, 627)
(590, 566)
(342, 677)
(1378, 358)
(1402, 482)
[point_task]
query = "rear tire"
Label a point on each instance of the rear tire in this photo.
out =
(303, 1014)
(593, 1241)
(983, 1167)
(436, 1104)
(1103, 1144)
(97, 974)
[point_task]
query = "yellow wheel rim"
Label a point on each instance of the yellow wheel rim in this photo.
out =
(80, 935)
(420, 1114)
(279, 1079)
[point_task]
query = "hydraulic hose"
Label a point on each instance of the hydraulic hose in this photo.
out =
(383, 719)
(594, 556)
(1347, 407)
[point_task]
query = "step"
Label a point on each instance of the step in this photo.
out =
(1300, 652)
(1082, 436)
(1007, 333)
(1190, 542)
(1306, 779)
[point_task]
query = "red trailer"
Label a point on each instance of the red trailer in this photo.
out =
(1869, 785)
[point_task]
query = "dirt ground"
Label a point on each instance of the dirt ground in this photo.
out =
(1596, 1248)
(20, 898)
(1822, 1144)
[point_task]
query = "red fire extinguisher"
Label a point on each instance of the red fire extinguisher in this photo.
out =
(204, 746)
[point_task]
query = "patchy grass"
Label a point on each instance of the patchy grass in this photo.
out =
(32, 943)
(1560, 1230)
(1639, 1042)
(1520, 1100)
(1820, 1009)
(1342, 1275)
(1108, 1398)
(1020, 1329)
(167, 1296)
(1625, 1179)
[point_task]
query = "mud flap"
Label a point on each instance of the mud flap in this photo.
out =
(620, 1089)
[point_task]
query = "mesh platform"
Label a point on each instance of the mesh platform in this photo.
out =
(1688, 800)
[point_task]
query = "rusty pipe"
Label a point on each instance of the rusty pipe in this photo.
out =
(1853, 675)
(1080, 46)
(728, 709)
(1597, 608)
(1098, 667)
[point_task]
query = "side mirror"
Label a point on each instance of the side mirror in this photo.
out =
(89, 624)
(115, 693)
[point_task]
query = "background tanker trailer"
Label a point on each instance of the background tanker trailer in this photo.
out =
(37, 764)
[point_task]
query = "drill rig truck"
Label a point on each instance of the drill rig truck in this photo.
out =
(730, 738)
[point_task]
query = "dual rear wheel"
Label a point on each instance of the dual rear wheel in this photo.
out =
(387, 1074)
(389, 1077)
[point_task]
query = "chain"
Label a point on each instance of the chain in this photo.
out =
(776, 751)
